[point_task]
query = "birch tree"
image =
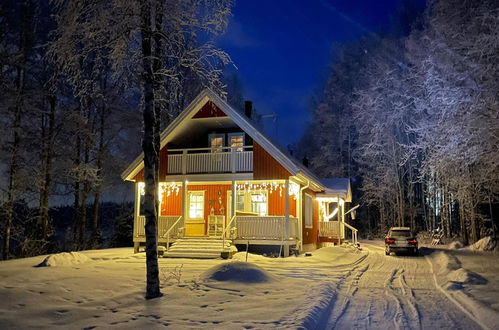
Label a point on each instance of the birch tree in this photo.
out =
(165, 40)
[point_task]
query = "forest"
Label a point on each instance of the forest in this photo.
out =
(413, 119)
(72, 100)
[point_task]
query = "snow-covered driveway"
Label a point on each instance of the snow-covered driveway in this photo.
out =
(394, 292)
(336, 287)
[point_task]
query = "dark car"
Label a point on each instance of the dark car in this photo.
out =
(401, 239)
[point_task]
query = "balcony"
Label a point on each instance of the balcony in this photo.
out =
(209, 160)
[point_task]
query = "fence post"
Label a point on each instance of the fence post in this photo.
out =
(233, 159)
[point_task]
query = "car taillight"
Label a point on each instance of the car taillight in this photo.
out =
(412, 241)
(389, 240)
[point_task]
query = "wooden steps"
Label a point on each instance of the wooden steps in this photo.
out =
(200, 248)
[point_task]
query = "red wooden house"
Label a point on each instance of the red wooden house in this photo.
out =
(223, 183)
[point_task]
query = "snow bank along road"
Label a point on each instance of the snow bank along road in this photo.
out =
(337, 287)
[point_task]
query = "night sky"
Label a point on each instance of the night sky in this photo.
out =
(282, 50)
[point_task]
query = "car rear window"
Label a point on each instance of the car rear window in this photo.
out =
(400, 233)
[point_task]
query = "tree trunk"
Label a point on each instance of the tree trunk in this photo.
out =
(150, 156)
(77, 192)
(96, 236)
(48, 146)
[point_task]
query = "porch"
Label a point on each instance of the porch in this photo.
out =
(265, 212)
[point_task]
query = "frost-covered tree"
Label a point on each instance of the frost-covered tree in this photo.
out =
(153, 45)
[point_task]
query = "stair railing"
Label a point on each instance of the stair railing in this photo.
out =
(354, 233)
(225, 231)
(167, 234)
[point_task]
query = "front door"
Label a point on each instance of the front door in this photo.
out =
(195, 221)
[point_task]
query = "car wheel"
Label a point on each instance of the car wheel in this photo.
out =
(416, 252)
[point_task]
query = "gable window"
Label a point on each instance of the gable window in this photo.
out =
(217, 142)
(308, 210)
(196, 205)
(236, 140)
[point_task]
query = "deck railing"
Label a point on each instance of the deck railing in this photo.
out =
(164, 224)
(331, 229)
(271, 228)
(210, 160)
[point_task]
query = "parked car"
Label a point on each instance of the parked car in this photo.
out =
(401, 239)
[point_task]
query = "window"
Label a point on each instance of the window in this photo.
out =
(217, 142)
(254, 202)
(259, 204)
(236, 140)
(308, 211)
(196, 205)
(240, 201)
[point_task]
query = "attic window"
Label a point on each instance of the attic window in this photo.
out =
(216, 142)
(236, 140)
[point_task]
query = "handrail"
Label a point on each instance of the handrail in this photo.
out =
(167, 234)
(225, 230)
(354, 232)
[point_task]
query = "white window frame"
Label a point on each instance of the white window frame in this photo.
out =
(216, 135)
(230, 135)
(248, 203)
(189, 195)
(308, 210)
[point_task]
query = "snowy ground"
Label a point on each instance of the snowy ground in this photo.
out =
(336, 287)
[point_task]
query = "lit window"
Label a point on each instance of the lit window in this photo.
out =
(216, 142)
(196, 205)
(240, 201)
(259, 204)
(237, 141)
(308, 211)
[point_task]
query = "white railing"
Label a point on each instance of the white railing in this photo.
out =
(209, 160)
(165, 223)
(331, 229)
(354, 233)
(272, 227)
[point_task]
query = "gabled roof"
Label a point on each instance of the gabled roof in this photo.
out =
(244, 123)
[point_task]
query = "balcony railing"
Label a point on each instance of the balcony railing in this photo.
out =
(210, 160)
(266, 228)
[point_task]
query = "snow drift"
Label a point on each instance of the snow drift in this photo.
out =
(455, 245)
(485, 244)
(237, 271)
(64, 259)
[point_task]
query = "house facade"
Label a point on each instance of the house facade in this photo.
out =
(222, 179)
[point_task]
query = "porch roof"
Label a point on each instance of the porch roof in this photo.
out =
(337, 187)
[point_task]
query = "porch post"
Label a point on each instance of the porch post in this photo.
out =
(339, 219)
(136, 213)
(184, 199)
(233, 206)
(286, 214)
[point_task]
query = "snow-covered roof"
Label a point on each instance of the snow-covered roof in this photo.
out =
(293, 167)
(337, 187)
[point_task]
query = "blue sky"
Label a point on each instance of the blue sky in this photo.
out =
(282, 48)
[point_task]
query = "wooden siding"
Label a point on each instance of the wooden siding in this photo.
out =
(265, 167)
(209, 110)
(276, 205)
(172, 205)
(310, 235)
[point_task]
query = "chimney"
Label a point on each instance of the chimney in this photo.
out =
(305, 161)
(248, 109)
